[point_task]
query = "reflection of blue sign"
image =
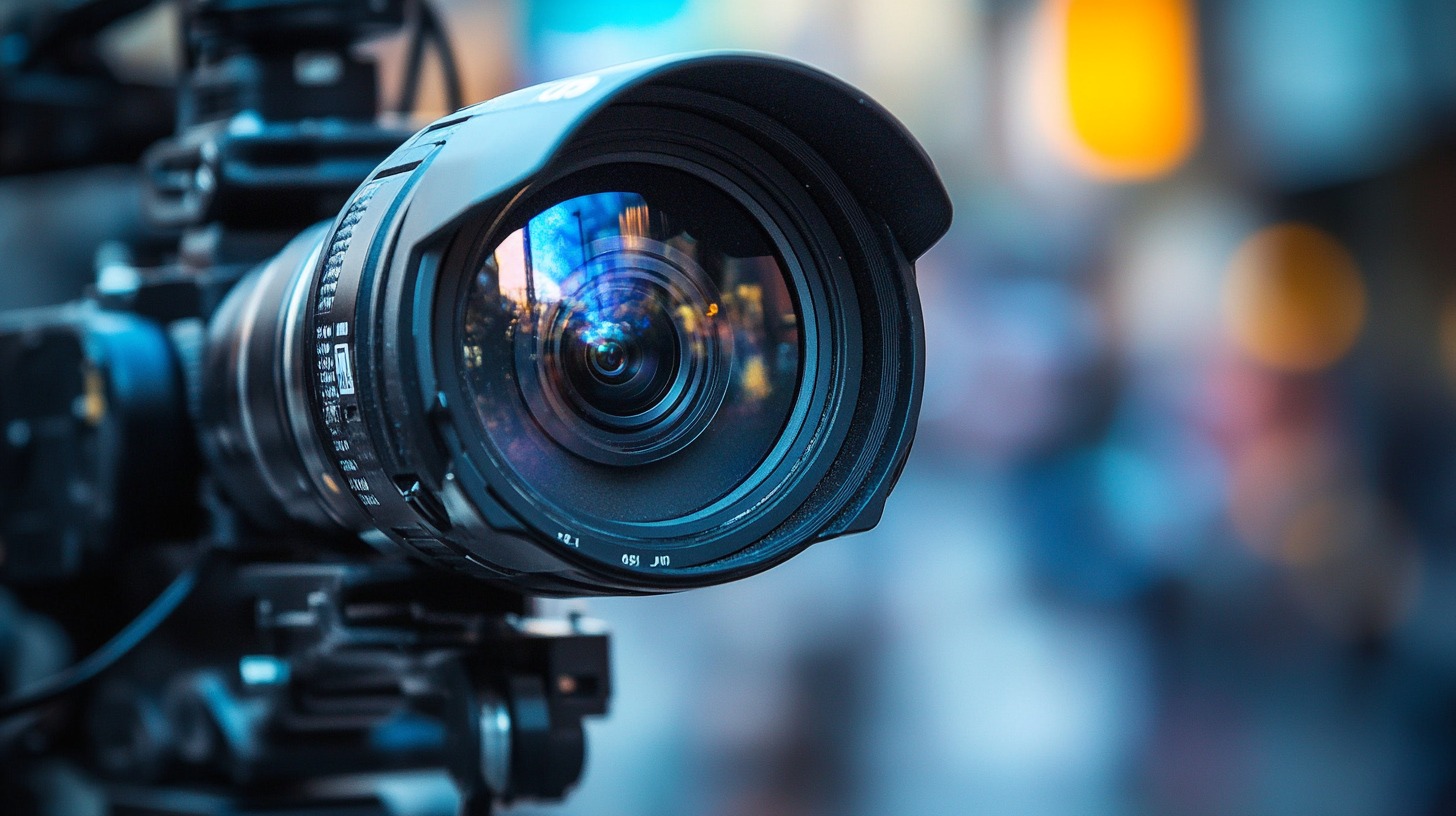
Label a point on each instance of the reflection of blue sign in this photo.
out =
(559, 236)
(586, 15)
(565, 37)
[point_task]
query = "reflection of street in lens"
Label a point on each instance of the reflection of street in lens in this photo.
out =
(632, 337)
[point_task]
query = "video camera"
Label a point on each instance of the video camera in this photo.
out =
(369, 393)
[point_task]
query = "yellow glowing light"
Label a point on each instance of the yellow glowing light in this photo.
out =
(712, 310)
(1294, 300)
(94, 404)
(633, 221)
(755, 378)
(688, 318)
(1129, 70)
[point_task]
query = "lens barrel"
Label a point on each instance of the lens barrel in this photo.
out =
(636, 331)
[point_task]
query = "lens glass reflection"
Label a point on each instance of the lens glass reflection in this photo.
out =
(633, 347)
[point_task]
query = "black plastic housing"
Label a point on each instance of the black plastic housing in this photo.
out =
(95, 442)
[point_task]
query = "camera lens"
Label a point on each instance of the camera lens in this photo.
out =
(637, 331)
(640, 318)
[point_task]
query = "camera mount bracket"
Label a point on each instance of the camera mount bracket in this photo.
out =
(351, 680)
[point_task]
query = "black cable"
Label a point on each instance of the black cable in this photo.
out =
(454, 98)
(409, 86)
(428, 25)
(91, 666)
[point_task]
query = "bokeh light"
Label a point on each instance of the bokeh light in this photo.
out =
(1294, 299)
(1129, 70)
(1447, 338)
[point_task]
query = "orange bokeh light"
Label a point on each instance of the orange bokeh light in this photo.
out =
(1447, 337)
(1129, 77)
(1294, 300)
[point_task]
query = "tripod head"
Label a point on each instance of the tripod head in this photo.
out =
(327, 681)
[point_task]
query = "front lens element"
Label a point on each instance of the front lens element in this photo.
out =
(639, 317)
(625, 366)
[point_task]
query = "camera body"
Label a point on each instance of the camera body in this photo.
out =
(637, 331)
(325, 385)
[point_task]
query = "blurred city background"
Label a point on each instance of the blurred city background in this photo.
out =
(1179, 532)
